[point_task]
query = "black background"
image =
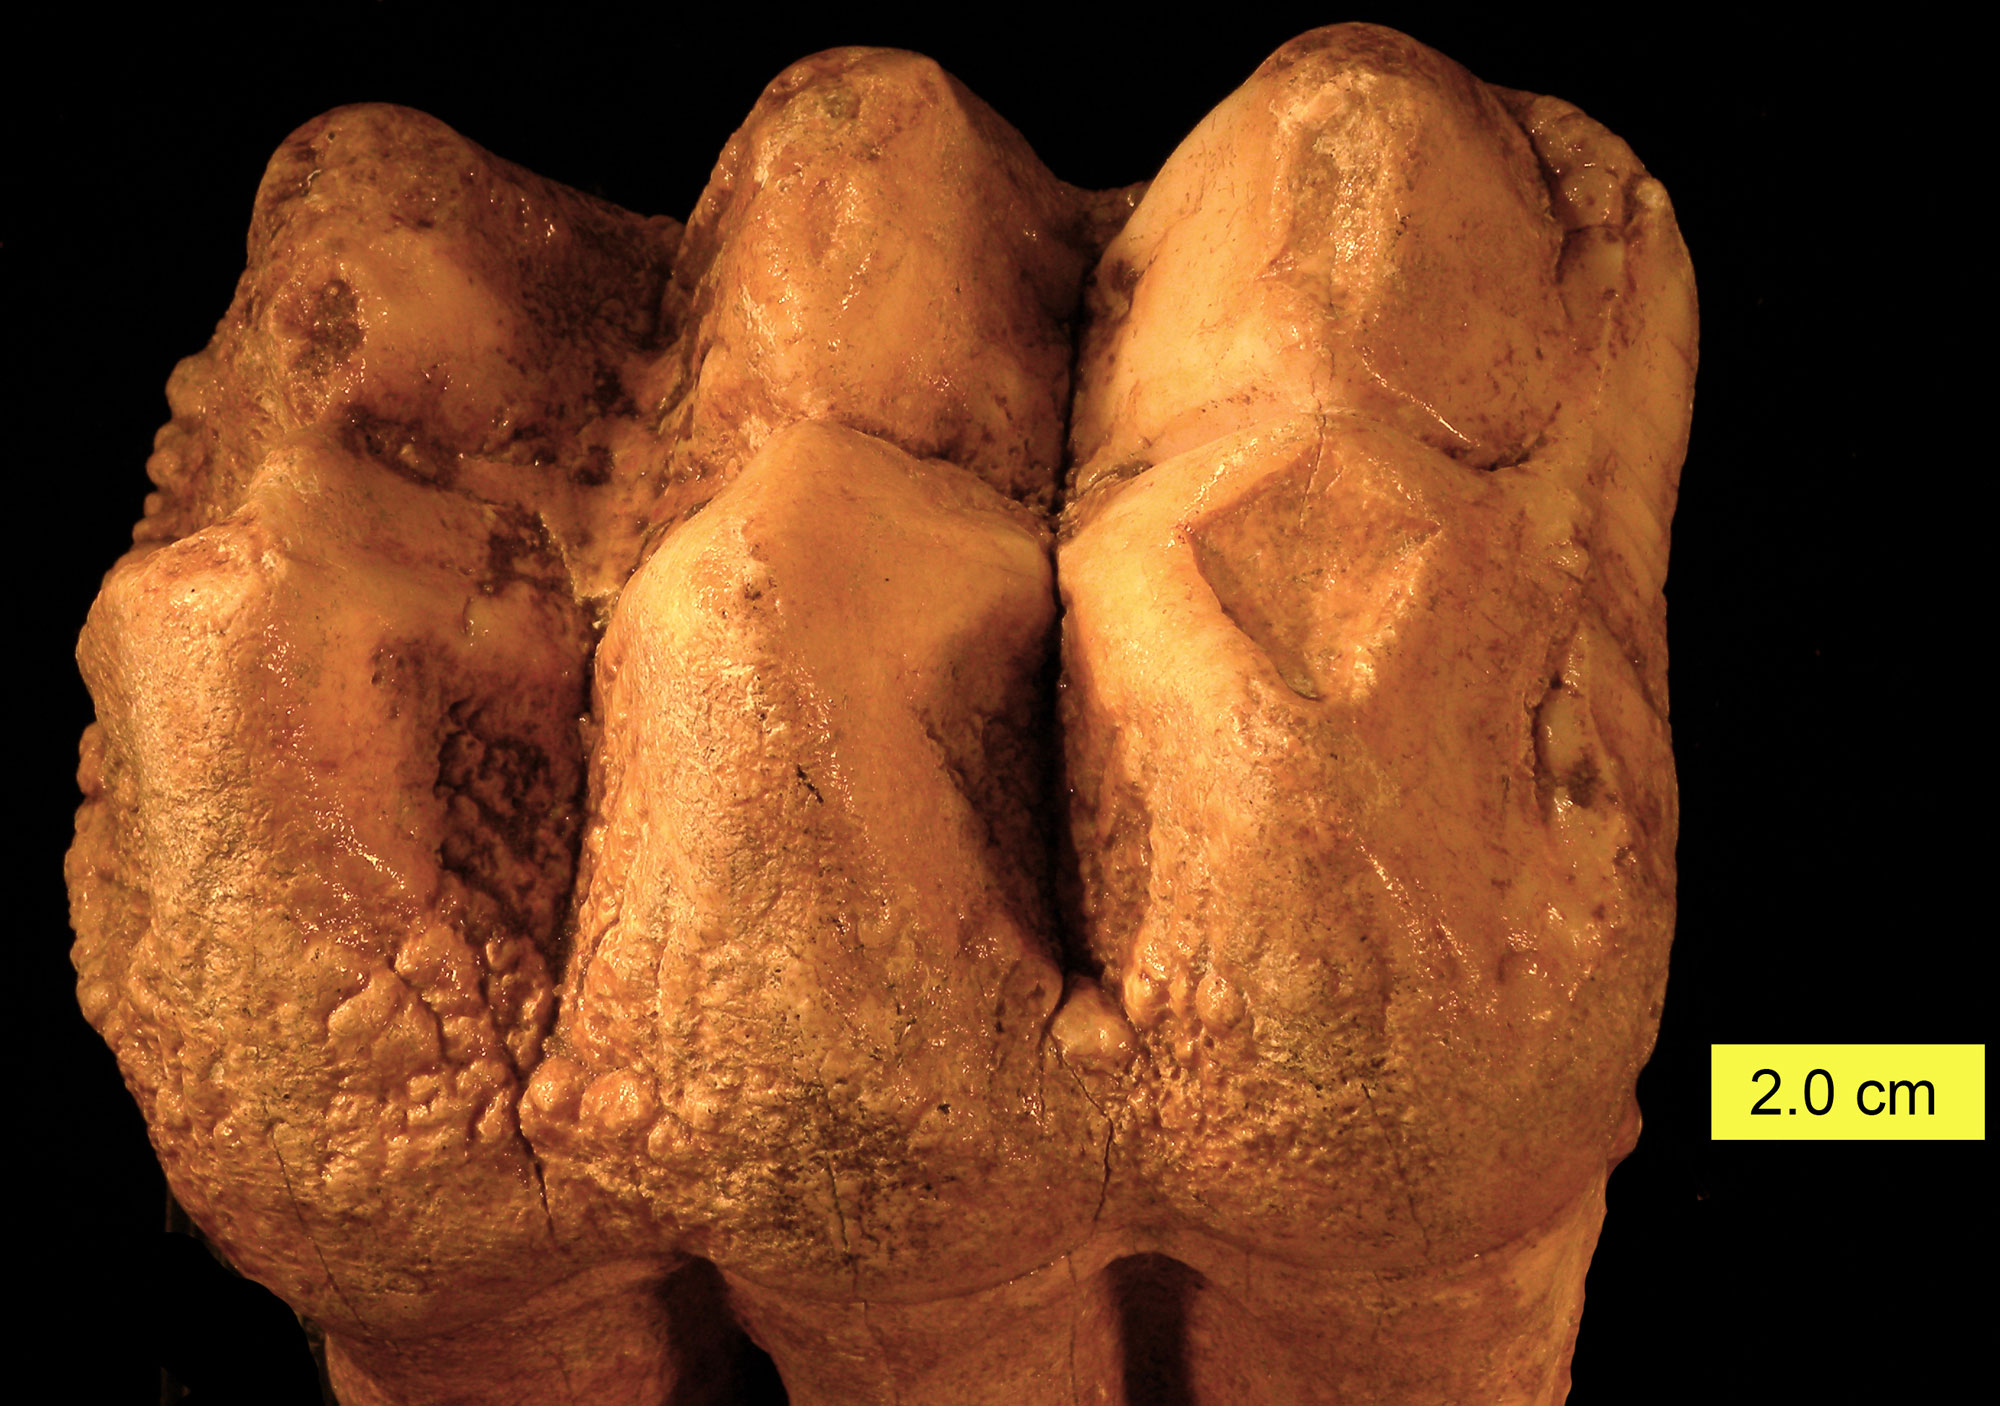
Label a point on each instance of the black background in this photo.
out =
(1823, 614)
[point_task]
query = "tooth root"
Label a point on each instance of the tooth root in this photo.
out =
(621, 1334)
(1499, 1326)
(1055, 1335)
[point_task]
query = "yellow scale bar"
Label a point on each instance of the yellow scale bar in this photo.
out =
(1847, 1092)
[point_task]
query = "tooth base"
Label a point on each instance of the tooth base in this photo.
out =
(1128, 1320)
(628, 1334)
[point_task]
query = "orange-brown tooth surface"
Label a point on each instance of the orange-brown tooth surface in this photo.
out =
(1020, 795)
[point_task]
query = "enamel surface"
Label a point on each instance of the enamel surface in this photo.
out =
(1024, 795)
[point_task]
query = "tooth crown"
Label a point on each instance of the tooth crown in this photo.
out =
(816, 960)
(582, 788)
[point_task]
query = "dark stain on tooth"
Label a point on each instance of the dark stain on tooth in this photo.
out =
(403, 448)
(511, 826)
(609, 396)
(326, 326)
(594, 468)
(806, 781)
(1583, 782)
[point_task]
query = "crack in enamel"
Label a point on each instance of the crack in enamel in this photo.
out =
(987, 757)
